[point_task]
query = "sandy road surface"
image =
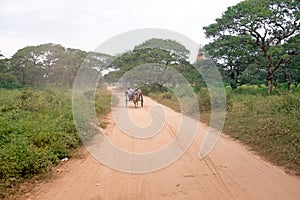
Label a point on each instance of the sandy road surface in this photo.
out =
(229, 172)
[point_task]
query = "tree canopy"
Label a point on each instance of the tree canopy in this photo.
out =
(156, 56)
(50, 64)
(165, 44)
(268, 26)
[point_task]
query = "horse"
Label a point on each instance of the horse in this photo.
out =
(135, 98)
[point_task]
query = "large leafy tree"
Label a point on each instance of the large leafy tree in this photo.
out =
(6, 77)
(290, 71)
(66, 67)
(157, 55)
(52, 64)
(166, 44)
(160, 59)
(270, 24)
(33, 65)
(24, 66)
(3, 64)
(46, 57)
(237, 61)
(92, 69)
(47, 64)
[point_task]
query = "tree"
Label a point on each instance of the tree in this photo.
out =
(293, 48)
(270, 23)
(6, 77)
(46, 56)
(47, 64)
(159, 59)
(290, 72)
(24, 66)
(3, 63)
(156, 55)
(33, 65)
(237, 61)
(65, 70)
(169, 45)
(93, 68)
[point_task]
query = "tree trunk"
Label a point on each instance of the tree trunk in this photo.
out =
(289, 80)
(270, 85)
(160, 87)
(271, 70)
(270, 79)
(234, 77)
(233, 86)
(23, 78)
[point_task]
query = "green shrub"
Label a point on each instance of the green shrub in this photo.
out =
(167, 95)
(103, 101)
(204, 100)
(268, 124)
(10, 85)
(251, 90)
(36, 130)
(22, 159)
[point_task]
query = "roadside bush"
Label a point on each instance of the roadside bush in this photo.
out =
(251, 90)
(36, 131)
(22, 159)
(103, 101)
(270, 125)
(287, 106)
(153, 88)
(167, 95)
(204, 100)
(10, 85)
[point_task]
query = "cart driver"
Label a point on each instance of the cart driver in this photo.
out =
(129, 92)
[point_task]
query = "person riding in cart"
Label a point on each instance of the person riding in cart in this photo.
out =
(129, 93)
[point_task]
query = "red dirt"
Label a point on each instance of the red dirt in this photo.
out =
(230, 171)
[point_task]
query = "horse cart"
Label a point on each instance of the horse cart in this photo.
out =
(135, 96)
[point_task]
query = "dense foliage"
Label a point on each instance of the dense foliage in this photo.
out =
(268, 124)
(257, 33)
(155, 61)
(48, 64)
(37, 131)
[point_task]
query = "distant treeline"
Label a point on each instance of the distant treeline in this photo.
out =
(46, 64)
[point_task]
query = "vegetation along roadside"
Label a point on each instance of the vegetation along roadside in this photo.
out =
(268, 124)
(37, 131)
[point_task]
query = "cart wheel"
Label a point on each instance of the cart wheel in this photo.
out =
(142, 101)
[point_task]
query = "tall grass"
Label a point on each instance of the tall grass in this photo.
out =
(103, 102)
(203, 99)
(269, 124)
(37, 131)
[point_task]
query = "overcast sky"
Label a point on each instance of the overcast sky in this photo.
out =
(85, 24)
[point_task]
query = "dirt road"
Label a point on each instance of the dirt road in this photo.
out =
(229, 172)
